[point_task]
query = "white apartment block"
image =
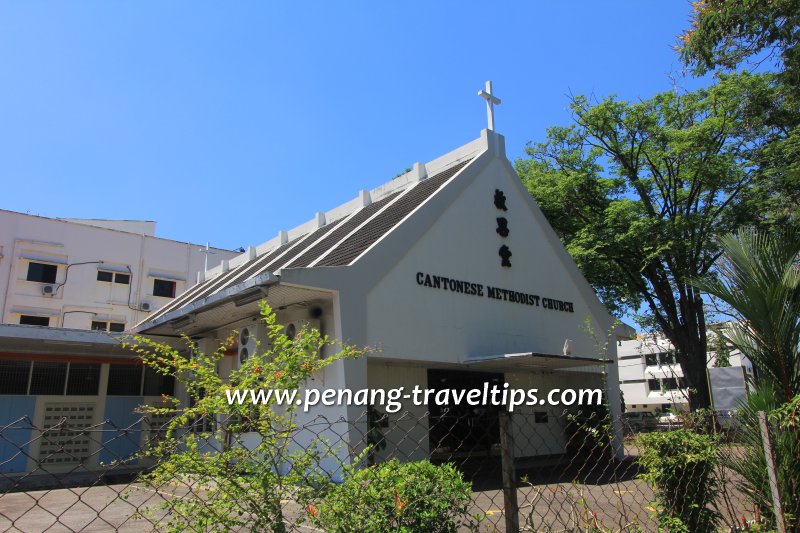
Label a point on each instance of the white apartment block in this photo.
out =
(91, 274)
(652, 380)
(67, 290)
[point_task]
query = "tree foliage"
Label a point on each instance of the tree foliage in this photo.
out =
(758, 276)
(638, 192)
(726, 35)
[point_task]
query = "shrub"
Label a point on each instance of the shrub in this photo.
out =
(749, 460)
(680, 465)
(396, 496)
(235, 486)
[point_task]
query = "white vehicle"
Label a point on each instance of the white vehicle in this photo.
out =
(670, 420)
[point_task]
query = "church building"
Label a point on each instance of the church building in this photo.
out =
(450, 272)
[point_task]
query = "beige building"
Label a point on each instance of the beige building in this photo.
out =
(68, 288)
(91, 274)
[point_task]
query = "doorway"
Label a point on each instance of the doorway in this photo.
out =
(463, 430)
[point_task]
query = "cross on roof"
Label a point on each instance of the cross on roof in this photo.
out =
(206, 251)
(491, 100)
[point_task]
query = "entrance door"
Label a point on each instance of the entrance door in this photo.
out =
(463, 429)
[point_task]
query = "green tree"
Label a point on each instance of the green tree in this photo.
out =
(722, 352)
(639, 191)
(726, 35)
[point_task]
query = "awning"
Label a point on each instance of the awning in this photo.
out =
(531, 361)
(16, 340)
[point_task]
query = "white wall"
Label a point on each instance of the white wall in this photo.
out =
(423, 323)
(453, 234)
(532, 438)
(407, 434)
(83, 298)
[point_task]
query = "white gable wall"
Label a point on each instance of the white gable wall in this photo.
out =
(411, 321)
(453, 234)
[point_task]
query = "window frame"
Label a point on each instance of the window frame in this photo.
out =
(161, 282)
(107, 326)
(68, 374)
(45, 267)
(28, 317)
(151, 383)
(117, 278)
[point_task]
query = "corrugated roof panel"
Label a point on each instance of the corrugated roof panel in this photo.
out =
(303, 246)
(341, 232)
(237, 275)
(300, 252)
(355, 245)
(262, 261)
(179, 301)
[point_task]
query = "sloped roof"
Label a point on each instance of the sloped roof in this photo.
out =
(338, 242)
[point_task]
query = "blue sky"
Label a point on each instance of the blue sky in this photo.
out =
(226, 122)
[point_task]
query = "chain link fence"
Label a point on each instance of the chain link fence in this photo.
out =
(445, 471)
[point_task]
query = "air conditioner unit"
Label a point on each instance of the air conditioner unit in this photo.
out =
(48, 289)
(145, 306)
(292, 329)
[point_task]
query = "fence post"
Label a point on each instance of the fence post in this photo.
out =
(773, 477)
(510, 506)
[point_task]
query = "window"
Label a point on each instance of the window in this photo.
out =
(164, 287)
(651, 359)
(654, 385)
(83, 379)
(156, 384)
(48, 378)
(114, 327)
(42, 272)
(671, 383)
(667, 358)
(115, 277)
(33, 320)
(124, 380)
(14, 377)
